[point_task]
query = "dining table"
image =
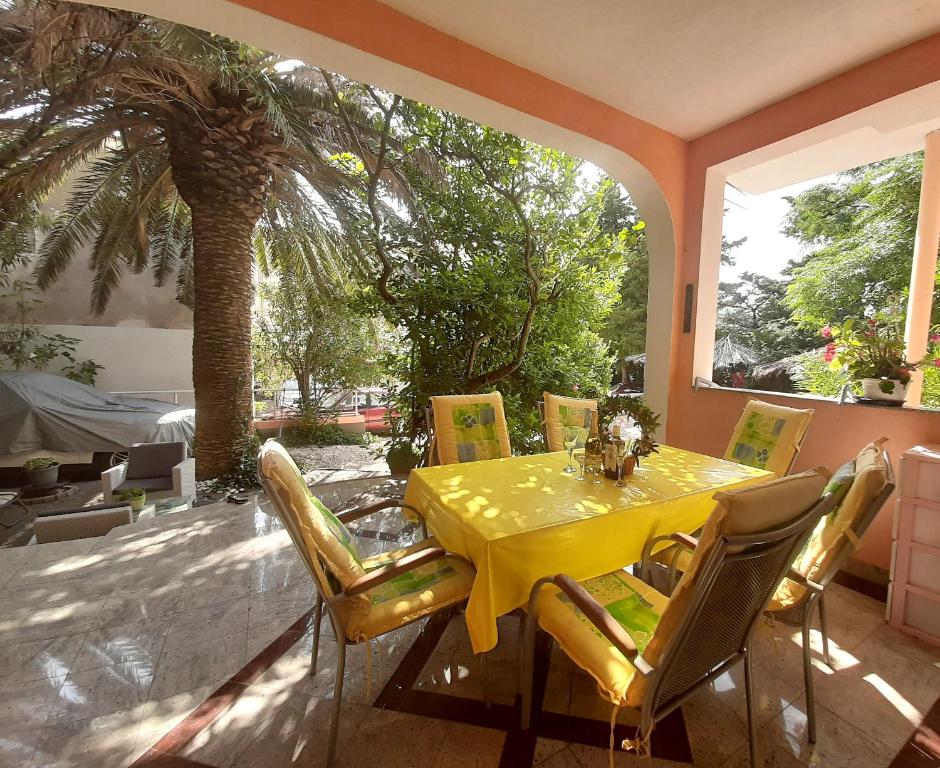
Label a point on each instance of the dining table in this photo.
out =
(521, 518)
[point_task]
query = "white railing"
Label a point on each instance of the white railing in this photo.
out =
(145, 392)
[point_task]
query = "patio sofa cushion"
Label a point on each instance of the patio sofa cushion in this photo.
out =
(162, 483)
(768, 436)
(470, 427)
(636, 605)
(146, 460)
(859, 482)
(561, 412)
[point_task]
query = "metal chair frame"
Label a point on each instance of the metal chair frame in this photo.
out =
(332, 601)
(716, 631)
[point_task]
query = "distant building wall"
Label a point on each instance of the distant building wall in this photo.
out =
(136, 359)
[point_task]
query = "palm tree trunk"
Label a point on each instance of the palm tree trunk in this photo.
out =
(221, 171)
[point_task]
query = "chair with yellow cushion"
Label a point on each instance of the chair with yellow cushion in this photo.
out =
(557, 412)
(364, 597)
(767, 436)
(650, 652)
(467, 428)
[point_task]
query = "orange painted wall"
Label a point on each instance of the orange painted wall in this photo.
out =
(703, 420)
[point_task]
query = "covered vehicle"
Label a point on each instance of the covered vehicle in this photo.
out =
(42, 412)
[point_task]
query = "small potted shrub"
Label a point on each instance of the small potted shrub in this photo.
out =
(42, 472)
(872, 351)
(136, 496)
(402, 456)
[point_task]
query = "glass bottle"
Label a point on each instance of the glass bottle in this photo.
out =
(594, 450)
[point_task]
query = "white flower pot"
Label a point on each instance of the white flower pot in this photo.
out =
(871, 388)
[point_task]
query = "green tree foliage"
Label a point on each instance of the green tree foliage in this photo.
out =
(496, 267)
(859, 236)
(325, 344)
(753, 312)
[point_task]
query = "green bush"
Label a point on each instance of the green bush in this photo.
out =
(311, 433)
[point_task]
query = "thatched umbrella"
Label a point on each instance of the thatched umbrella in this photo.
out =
(730, 354)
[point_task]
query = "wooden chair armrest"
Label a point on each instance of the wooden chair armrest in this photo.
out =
(393, 569)
(799, 578)
(685, 540)
(597, 615)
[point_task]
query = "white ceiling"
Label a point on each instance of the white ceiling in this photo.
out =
(688, 66)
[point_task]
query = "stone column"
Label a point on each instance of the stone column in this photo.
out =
(924, 268)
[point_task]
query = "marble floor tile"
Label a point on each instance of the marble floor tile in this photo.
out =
(38, 659)
(101, 691)
(289, 603)
(137, 643)
(406, 740)
(64, 618)
(149, 605)
(26, 706)
(158, 717)
(185, 665)
(99, 741)
(199, 625)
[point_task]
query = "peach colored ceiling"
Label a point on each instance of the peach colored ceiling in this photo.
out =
(688, 66)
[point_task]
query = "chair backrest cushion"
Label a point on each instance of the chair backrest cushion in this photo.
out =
(324, 538)
(470, 427)
(768, 436)
(561, 412)
(154, 459)
(749, 510)
(856, 486)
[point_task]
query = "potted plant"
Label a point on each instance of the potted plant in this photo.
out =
(402, 456)
(634, 423)
(136, 496)
(42, 472)
(872, 351)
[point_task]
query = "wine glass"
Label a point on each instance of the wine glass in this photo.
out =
(621, 446)
(579, 457)
(570, 437)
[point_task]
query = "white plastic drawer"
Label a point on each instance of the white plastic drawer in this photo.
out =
(924, 571)
(922, 613)
(920, 478)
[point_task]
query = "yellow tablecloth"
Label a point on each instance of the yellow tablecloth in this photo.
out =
(519, 519)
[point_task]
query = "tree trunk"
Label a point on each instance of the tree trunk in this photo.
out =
(221, 171)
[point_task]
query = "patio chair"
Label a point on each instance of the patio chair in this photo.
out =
(767, 436)
(467, 428)
(161, 469)
(557, 412)
(9, 499)
(859, 490)
(651, 653)
(364, 597)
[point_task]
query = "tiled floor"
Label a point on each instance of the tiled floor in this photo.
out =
(108, 645)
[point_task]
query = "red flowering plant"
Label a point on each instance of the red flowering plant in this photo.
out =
(874, 348)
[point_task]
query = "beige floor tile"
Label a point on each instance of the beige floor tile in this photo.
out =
(185, 665)
(25, 706)
(199, 625)
(101, 691)
(99, 741)
(467, 746)
(138, 643)
(124, 608)
(158, 718)
(403, 741)
(38, 659)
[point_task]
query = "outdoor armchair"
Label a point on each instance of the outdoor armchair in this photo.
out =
(364, 597)
(161, 469)
(650, 652)
(766, 436)
(859, 489)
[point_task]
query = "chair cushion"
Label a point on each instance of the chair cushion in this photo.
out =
(633, 603)
(162, 483)
(768, 436)
(325, 538)
(561, 412)
(153, 459)
(409, 596)
(470, 427)
(858, 483)
(747, 510)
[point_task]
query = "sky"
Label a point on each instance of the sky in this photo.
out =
(760, 218)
